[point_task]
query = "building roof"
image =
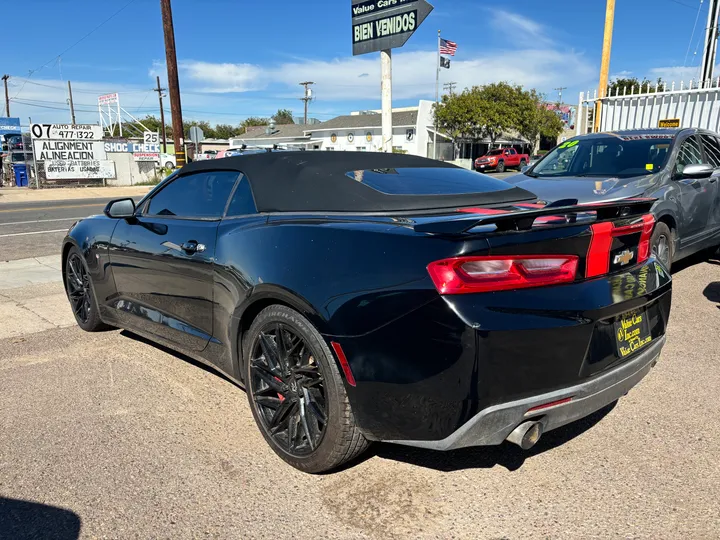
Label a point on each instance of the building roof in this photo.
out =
(355, 121)
(282, 131)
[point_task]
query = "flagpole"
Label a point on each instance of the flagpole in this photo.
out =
(437, 97)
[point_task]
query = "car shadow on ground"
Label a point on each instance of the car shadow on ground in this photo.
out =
(505, 455)
(712, 292)
(25, 520)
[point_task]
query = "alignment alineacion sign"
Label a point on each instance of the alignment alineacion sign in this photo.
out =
(379, 25)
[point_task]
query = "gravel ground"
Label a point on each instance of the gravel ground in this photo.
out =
(117, 438)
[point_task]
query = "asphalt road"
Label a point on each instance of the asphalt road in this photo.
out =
(36, 229)
(115, 437)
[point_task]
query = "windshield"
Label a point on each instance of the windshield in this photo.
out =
(622, 157)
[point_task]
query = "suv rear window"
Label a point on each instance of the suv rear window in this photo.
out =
(430, 181)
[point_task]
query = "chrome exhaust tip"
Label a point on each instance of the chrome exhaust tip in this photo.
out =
(526, 435)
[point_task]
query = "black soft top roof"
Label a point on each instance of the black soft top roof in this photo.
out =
(319, 182)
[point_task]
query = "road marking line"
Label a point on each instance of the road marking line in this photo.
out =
(36, 232)
(42, 208)
(42, 221)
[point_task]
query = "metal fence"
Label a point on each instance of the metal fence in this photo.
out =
(693, 105)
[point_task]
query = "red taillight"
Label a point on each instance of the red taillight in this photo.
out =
(463, 275)
(644, 246)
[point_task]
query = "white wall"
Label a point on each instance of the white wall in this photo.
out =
(360, 141)
(127, 170)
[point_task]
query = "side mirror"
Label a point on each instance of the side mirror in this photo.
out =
(702, 170)
(523, 169)
(120, 208)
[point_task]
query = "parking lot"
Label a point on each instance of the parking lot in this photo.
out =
(122, 438)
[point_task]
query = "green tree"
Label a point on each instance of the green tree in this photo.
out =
(536, 120)
(283, 116)
(251, 122)
(226, 131)
(625, 85)
(208, 130)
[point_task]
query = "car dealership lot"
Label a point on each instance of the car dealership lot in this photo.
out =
(132, 440)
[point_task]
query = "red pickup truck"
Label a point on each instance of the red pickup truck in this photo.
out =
(501, 159)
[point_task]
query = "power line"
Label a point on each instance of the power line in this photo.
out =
(692, 35)
(682, 4)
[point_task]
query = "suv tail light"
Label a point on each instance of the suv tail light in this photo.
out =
(462, 275)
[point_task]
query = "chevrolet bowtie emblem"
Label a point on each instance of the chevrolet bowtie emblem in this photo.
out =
(623, 258)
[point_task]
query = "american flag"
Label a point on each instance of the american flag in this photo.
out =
(448, 47)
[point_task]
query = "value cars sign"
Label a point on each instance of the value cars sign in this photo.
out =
(385, 24)
(71, 151)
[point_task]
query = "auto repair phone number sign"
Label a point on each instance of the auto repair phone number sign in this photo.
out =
(74, 132)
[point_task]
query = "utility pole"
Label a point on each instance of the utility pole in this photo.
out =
(173, 83)
(437, 98)
(710, 49)
(307, 98)
(160, 91)
(72, 105)
(7, 96)
(386, 92)
(560, 91)
(605, 66)
(450, 87)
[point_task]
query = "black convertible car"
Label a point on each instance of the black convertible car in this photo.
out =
(376, 297)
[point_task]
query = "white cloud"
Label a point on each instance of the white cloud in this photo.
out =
(675, 73)
(358, 78)
(224, 78)
(518, 29)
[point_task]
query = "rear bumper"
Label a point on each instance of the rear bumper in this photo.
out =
(492, 425)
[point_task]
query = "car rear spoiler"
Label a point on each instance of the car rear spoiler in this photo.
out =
(524, 220)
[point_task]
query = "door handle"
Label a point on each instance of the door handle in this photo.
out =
(191, 246)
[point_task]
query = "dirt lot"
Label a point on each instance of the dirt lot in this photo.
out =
(125, 439)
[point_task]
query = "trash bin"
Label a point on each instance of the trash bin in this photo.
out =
(21, 176)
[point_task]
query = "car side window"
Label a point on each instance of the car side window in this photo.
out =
(242, 203)
(689, 154)
(712, 150)
(199, 195)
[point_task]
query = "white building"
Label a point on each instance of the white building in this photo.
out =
(359, 131)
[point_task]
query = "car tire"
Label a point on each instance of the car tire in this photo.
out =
(169, 165)
(662, 245)
(500, 167)
(80, 293)
(305, 382)
(523, 163)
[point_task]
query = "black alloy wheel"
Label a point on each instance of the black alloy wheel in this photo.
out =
(78, 288)
(500, 167)
(288, 388)
(78, 285)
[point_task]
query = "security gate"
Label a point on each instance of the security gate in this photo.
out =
(693, 105)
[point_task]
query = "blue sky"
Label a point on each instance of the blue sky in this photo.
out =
(242, 58)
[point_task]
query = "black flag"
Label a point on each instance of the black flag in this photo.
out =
(444, 62)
